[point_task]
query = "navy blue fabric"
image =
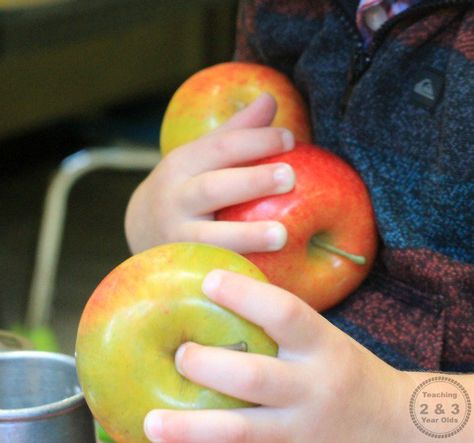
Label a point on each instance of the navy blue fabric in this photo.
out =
(413, 147)
(384, 351)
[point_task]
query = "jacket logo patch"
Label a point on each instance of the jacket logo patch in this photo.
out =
(428, 87)
(425, 89)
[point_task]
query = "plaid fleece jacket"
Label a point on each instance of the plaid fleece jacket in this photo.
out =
(402, 112)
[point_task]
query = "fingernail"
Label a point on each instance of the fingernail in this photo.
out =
(287, 139)
(276, 237)
(284, 176)
(153, 426)
(178, 357)
(211, 282)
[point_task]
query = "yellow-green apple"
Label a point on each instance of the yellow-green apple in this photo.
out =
(211, 96)
(133, 324)
(332, 236)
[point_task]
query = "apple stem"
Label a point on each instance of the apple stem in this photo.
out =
(357, 259)
(240, 346)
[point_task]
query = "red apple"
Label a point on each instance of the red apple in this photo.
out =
(332, 237)
(211, 96)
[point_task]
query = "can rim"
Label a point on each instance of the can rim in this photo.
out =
(47, 410)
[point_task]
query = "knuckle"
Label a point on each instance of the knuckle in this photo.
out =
(170, 162)
(165, 231)
(239, 433)
(208, 191)
(288, 313)
(253, 379)
(166, 236)
(196, 232)
(222, 142)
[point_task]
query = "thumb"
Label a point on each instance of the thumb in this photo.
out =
(259, 113)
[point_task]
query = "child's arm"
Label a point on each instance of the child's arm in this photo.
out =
(324, 387)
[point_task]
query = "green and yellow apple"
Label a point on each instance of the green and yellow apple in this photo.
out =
(211, 96)
(332, 235)
(133, 324)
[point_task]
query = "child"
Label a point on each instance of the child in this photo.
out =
(390, 87)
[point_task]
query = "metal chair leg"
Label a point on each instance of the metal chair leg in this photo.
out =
(70, 170)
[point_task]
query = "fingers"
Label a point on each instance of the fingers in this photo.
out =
(258, 114)
(177, 200)
(224, 149)
(237, 236)
(223, 426)
(210, 191)
(255, 378)
(245, 137)
(293, 324)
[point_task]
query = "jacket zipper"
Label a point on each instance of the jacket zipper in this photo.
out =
(362, 57)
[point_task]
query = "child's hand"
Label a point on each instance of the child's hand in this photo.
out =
(323, 387)
(177, 201)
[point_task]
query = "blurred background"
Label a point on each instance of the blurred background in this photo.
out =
(82, 74)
